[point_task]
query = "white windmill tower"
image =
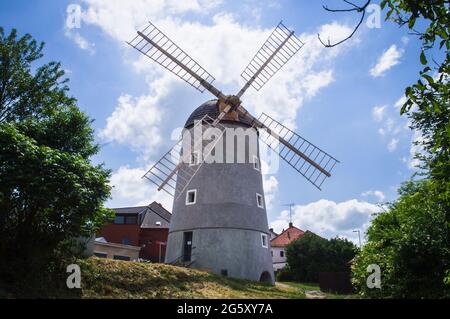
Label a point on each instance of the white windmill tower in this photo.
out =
(219, 220)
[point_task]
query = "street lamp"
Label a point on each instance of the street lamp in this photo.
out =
(359, 236)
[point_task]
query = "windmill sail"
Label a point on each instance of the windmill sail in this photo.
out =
(174, 171)
(278, 49)
(157, 46)
(306, 158)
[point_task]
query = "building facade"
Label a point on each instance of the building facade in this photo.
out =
(220, 222)
(144, 227)
(279, 244)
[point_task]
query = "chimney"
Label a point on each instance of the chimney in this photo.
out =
(291, 225)
(271, 230)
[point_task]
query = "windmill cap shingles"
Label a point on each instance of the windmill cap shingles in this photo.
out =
(210, 108)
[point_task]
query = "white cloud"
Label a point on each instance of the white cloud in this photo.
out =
(130, 189)
(80, 41)
(392, 146)
(135, 122)
(387, 60)
(400, 102)
(270, 184)
(413, 162)
(379, 195)
(329, 219)
(378, 113)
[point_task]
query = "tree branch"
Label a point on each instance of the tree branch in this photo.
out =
(360, 9)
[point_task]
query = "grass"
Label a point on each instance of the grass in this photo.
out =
(105, 278)
(312, 286)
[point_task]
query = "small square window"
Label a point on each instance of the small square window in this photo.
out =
(191, 197)
(119, 220)
(264, 243)
(281, 253)
(131, 220)
(256, 163)
(195, 158)
(259, 200)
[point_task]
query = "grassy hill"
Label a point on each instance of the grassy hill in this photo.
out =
(104, 278)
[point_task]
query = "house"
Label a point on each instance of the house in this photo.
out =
(272, 234)
(104, 249)
(145, 228)
(279, 244)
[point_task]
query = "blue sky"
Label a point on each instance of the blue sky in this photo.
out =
(344, 100)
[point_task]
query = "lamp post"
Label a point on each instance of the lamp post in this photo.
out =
(359, 236)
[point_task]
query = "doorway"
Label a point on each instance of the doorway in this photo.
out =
(265, 278)
(187, 246)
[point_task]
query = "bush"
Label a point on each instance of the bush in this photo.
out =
(410, 243)
(312, 254)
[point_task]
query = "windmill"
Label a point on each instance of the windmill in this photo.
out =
(219, 219)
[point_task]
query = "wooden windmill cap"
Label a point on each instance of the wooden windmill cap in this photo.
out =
(213, 109)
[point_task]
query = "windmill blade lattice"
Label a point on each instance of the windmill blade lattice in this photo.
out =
(157, 46)
(294, 141)
(174, 171)
(278, 49)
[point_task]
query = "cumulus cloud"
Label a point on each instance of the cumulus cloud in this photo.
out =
(416, 148)
(80, 41)
(270, 184)
(387, 60)
(379, 195)
(130, 189)
(135, 122)
(329, 219)
(393, 143)
(378, 113)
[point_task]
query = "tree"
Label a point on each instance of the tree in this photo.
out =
(312, 254)
(427, 105)
(50, 193)
(411, 245)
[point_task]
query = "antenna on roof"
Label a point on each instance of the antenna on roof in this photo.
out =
(290, 211)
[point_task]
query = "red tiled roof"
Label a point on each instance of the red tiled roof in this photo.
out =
(287, 236)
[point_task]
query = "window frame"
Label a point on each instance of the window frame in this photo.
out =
(187, 197)
(197, 158)
(256, 163)
(264, 238)
(258, 196)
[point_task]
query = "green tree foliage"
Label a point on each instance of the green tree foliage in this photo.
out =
(428, 101)
(410, 243)
(50, 192)
(312, 254)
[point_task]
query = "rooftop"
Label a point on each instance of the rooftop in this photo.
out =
(210, 108)
(287, 236)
